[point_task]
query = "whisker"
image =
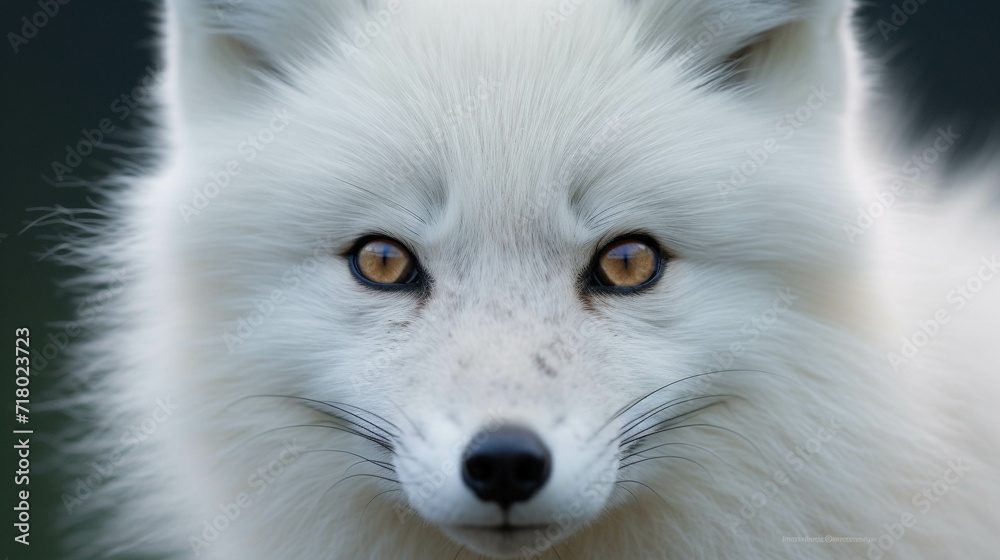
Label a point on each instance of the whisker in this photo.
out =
(648, 487)
(638, 400)
(637, 461)
(384, 464)
(625, 433)
(346, 478)
(670, 404)
(385, 444)
(339, 406)
(655, 447)
(733, 432)
(373, 499)
(637, 502)
(673, 420)
(362, 462)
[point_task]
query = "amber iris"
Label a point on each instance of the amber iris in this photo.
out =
(627, 263)
(384, 261)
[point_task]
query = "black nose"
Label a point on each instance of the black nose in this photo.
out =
(506, 465)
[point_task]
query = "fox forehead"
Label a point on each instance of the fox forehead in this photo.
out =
(480, 141)
(516, 162)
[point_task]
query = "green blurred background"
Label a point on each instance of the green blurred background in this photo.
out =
(944, 63)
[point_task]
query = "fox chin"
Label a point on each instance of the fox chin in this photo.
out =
(427, 279)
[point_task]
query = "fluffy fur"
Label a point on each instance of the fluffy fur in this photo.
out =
(504, 143)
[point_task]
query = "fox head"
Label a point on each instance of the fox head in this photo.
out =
(503, 270)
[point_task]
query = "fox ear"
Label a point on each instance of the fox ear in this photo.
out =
(780, 45)
(217, 47)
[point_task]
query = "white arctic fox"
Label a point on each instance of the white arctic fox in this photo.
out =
(554, 279)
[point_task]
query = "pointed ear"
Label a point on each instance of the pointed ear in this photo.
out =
(216, 48)
(784, 46)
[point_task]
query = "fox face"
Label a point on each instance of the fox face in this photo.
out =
(510, 271)
(529, 304)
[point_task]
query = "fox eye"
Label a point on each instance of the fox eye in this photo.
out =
(384, 262)
(627, 263)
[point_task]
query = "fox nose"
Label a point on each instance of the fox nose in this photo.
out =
(506, 465)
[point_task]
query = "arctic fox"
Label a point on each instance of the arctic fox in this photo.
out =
(565, 279)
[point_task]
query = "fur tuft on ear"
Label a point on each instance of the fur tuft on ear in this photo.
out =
(269, 30)
(779, 45)
(219, 47)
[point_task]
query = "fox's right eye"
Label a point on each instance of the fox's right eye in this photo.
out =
(384, 262)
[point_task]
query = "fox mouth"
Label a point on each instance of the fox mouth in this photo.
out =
(497, 541)
(503, 529)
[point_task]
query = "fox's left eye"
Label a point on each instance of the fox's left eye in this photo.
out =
(384, 262)
(628, 263)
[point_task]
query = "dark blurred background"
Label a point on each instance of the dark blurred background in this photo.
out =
(943, 64)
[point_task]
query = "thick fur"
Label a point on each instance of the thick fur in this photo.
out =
(505, 143)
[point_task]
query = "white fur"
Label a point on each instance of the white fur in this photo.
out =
(505, 144)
